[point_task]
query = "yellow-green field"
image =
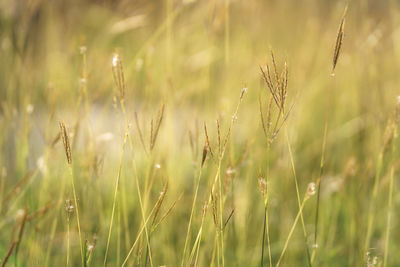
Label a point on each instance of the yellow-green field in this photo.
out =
(199, 133)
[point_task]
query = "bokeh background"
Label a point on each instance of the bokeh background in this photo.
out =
(194, 58)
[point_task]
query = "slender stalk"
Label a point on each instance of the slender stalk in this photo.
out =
(51, 240)
(221, 222)
(218, 245)
(263, 236)
(196, 246)
(77, 211)
(119, 79)
(220, 233)
(220, 157)
(321, 169)
(137, 182)
(118, 234)
(266, 224)
(298, 196)
(291, 231)
(115, 200)
(191, 217)
(389, 215)
(67, 241)
(10, 250)
(336, 53)
(138, 236)
(372, 202)
(266, 230)
(390, 199)
(54, 225)
(268, 239)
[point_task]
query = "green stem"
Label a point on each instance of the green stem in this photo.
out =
(191, 217)
(291, 232)
(389, 215)
(77, 212)
(298, 196)
(372, 202)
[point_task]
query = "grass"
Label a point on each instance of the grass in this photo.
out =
(184, 140)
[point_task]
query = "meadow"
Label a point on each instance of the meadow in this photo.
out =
(199, 133)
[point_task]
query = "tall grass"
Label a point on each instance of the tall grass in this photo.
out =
(336, 53)
(136, 180)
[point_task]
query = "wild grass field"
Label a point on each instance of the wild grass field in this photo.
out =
(199, 133)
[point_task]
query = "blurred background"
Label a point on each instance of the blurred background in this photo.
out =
(187, 62)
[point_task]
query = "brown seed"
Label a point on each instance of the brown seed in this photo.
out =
(339, 41)
(263, 186)
(277, 85)
(205, 150)
(65, 139)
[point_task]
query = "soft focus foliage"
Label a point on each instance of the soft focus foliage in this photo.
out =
(184, 65)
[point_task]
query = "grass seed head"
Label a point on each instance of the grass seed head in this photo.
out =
(277, 85)
(339, 41)
(118, 73)
(203, 158)
(69, 207)
(262, 184)
(311, 189)
(66, 142)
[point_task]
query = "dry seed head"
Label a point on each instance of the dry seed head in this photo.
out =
(371, 261)
(115, 60)
(262, 184)
(160, 202)
(69, 207)
(277, 85)
(311, 189)
(339, 41)
(90, 247)
(82, 50)
(230, 171)
(214, 200)
(269, 114)
(207, 140)
(229, 175)
(118, 73)
(203, 158)
(20, 214)
(244, 90)
(66, 143)
(82, 82)
(219, 136)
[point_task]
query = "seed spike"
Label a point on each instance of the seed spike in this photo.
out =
(339, 41)
(65, 138)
